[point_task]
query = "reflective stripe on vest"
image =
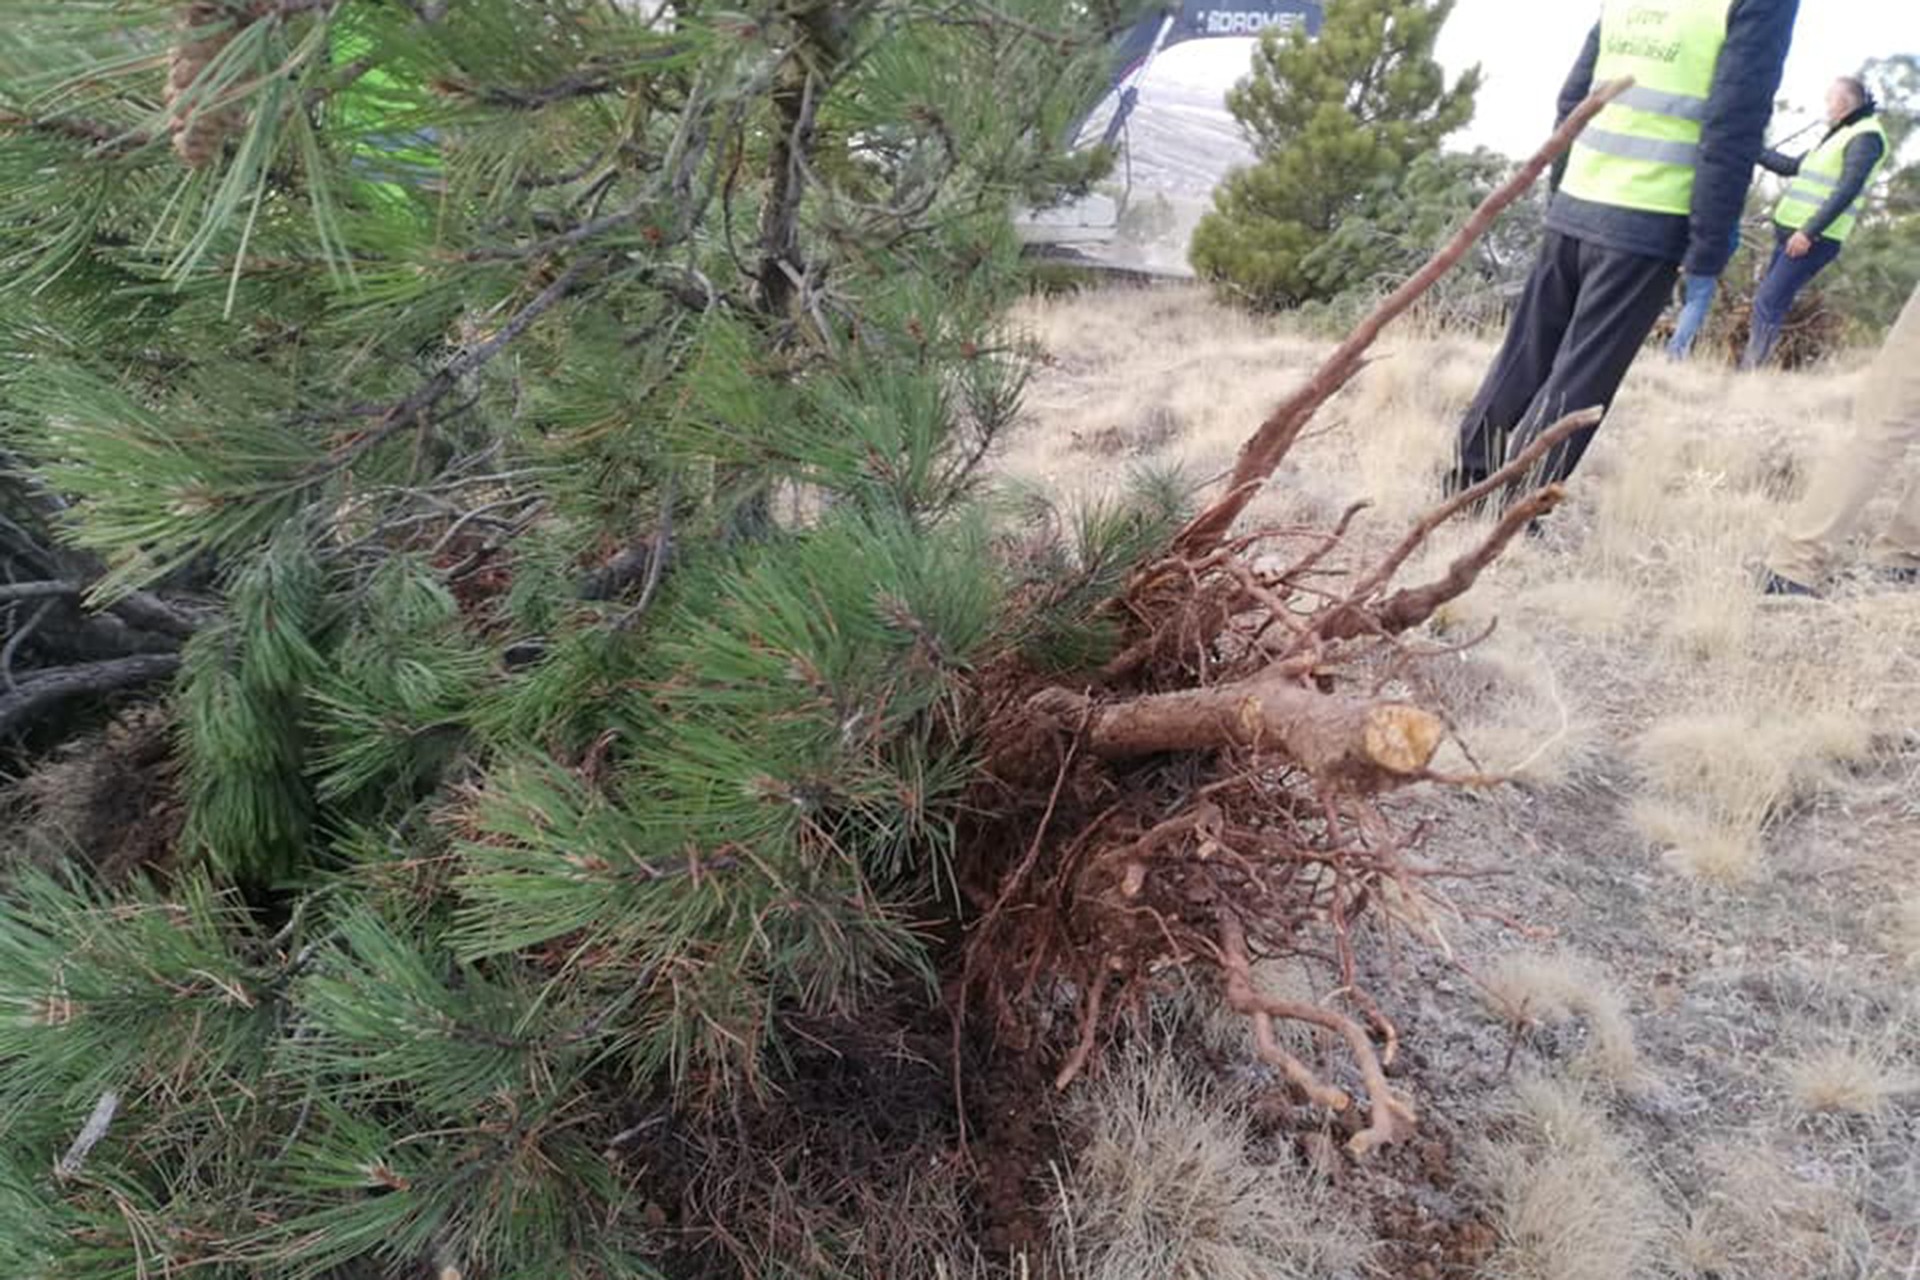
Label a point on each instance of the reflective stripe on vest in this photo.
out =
(1642, 150)
(1819, 178)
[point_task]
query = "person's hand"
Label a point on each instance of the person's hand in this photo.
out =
(1798, 246)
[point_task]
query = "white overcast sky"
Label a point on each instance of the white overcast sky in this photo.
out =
(1527, 46)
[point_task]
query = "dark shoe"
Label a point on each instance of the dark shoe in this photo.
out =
(1775, 585)
(1896, 575)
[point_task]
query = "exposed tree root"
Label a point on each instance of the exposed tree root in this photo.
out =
(1392, 1117)
(1216, 795)
(1352, 741)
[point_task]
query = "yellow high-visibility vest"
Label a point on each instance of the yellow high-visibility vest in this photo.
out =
(1819, 178)
(1642, 151)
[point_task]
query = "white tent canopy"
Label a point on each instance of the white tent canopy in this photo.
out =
(1168, 120)
(1177, 144)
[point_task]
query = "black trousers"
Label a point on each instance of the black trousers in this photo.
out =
(1586, 312)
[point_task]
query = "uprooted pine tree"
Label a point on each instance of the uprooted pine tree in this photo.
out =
(587, 778)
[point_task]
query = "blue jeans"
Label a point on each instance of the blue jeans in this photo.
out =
(1773, 300)
(1693, 315)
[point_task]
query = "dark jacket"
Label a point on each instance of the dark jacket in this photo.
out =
(1863, 153)
(1759, 33)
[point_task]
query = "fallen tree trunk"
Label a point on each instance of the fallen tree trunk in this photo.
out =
(1352, 741)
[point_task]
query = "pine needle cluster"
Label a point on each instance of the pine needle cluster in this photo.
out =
(550, 437)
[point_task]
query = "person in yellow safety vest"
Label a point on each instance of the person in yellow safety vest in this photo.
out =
(1819, 210)
(1654, 186)
(1886, 428)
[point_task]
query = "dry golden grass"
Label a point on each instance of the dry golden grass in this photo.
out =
(1758, 1217)
(1709, 745)
(1716, 848)
(1146, 374)
(1903, 930)
(1570, 1202)
(1716, 779)
(1548, 990)
(1848, 1079)
(1600, 608)
(1164, 1189)
(1528, 726)
(1386, 443)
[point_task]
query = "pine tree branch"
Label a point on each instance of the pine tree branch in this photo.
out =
(415, 407)
(590, 82)
(978, 13)
(568, 239)
(567, 89)
(104, 136)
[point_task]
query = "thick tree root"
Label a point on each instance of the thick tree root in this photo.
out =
(1350, 741)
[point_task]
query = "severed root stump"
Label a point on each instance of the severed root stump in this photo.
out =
(1363, 744)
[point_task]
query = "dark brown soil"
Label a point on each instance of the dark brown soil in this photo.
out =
(1017, 1139)
(854, 1163)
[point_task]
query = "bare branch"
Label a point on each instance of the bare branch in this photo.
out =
(404, 413)
(89, 1136)
(45, 690)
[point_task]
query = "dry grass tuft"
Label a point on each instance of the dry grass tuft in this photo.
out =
(1536, 990)
(1903, 930)
(1760, 1217)
(1515, 717)
(1717, 780)
(1163, 1189)
(1712, 614)
(1850, 1080)
(1570, 1202)
(1401, 411)
(1596, 607)
(1719, 849)
(1731, 762)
